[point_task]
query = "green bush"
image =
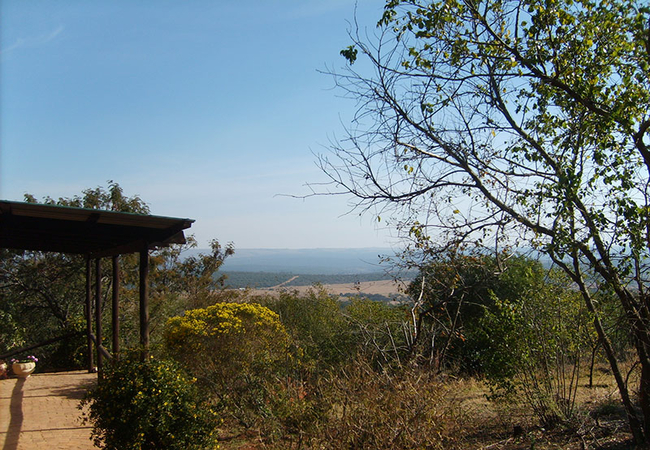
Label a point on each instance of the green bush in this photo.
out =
(538, 344)
(148, 405)
(317, 326)
(378, 330)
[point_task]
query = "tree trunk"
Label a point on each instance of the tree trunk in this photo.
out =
(644, 396)
(592, 364)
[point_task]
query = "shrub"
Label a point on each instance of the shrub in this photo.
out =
(538, 344)
(378, 330)
(317, 326)
(148, 405)
(236, 351)
(381, 410)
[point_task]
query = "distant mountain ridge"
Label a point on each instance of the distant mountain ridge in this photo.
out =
(307, 261)
(321, 261)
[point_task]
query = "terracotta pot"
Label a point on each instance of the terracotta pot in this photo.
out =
(23, 370)
(3, 370)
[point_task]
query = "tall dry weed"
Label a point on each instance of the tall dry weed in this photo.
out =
(404, 410)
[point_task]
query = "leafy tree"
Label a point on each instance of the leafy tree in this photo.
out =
(11, 334)
(111, 199)
(454, 293)
(329, 333)
(512, 122)
(43, 293)
(451, 294)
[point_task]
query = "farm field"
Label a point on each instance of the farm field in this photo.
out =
(384, 288)
(373, 286)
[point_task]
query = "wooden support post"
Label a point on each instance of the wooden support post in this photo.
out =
(116, 307)
(88, 314)
(98, 313)
(144, 301)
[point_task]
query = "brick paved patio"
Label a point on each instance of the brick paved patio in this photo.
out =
(41, 412)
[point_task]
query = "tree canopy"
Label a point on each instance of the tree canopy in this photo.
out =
(42, 293)
(512, 123)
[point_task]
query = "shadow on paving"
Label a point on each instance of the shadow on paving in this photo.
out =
(16, 412)
(73, 393)
(43, 412)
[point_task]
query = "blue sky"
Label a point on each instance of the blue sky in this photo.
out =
(206, 109)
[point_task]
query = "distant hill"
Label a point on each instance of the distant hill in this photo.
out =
(319, 261)
(308, 261)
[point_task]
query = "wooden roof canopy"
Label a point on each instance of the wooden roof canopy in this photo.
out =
(92, 232)
(96, 234)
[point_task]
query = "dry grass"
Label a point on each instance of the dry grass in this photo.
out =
(599, 422)
(461, 418)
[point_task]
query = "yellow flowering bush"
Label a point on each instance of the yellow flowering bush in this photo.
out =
(237, 351)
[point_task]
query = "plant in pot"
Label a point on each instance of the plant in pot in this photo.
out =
(3, 369)
(23, 368)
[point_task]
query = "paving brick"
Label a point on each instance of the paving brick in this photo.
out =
(41, 412)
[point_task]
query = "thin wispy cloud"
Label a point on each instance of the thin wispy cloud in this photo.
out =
(31, 42)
